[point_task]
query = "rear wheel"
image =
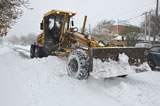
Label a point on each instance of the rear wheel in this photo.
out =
(32, 51)
(151, 64)
(39, 52)
(78, 65)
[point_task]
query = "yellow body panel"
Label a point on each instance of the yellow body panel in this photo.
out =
(68, 50)
(60, 54)
(59, 12)
(118, 43)
(72, 37)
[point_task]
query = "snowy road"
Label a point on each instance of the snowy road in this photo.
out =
(44, 82)
(22, 52)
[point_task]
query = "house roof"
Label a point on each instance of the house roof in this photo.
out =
(121, 22)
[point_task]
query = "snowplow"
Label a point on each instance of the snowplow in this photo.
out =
(61, 38)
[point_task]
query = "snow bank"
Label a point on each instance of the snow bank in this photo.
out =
(113, 68)
(4, 50)
(44, 82)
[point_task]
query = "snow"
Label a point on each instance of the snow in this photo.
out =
(113, 68)
(44, 82)
(119, 37)
(123, 58)
(122, 22)
(147, 38)
(144, 44)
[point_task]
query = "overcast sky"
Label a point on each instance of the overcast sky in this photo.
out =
(96, 10)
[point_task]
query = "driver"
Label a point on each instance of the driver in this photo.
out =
(56, 30)
(56, 33)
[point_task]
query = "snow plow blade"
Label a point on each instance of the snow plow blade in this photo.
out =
(136, 55)
(112, 62)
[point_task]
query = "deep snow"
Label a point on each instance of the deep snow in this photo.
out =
(112, 68)
(44, 82)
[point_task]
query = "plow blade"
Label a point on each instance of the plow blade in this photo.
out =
(111, 62)
(136, 55)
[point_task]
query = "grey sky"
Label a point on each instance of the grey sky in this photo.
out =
(96, 10)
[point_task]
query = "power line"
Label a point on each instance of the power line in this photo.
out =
(134, 17)
(138, 15)
(135, 9)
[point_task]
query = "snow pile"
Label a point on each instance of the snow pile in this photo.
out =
(4, 50)
(115, 68)
(137, 90)
(123, 58)
(44, 82)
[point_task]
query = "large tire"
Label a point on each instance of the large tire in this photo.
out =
(32, 51)
(39, 52)
(151, 64)
(78, 65)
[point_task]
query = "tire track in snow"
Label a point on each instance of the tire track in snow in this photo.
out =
(21, 51)
(22, 54)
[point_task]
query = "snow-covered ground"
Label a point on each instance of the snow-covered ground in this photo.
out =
(44, 82)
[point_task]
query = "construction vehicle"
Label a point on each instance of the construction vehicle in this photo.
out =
(59, 36)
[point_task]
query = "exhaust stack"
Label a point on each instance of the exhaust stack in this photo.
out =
(84, 24)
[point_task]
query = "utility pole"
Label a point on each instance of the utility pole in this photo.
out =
(90, 33)
(117, 26)
(145, 28)
(90, 29)
(149, 30)
(157, 7)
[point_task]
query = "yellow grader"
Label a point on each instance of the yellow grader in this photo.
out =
(59, 36)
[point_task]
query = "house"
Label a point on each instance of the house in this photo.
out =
(118, 26)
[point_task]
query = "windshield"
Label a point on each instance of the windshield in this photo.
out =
(67, 24)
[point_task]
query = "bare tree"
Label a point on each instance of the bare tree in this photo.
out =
(131, 34)
(13, 40)
(22, 40)
(27, 40)
(153, 26)
(102, 31)
(10, 11)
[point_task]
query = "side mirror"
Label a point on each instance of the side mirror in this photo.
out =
(72, 22)
(41, 26)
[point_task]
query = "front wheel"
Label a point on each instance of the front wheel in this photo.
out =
(78, 65)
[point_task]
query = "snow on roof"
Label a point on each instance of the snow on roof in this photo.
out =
(118, 37)
(142, 37)
(121, 22)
